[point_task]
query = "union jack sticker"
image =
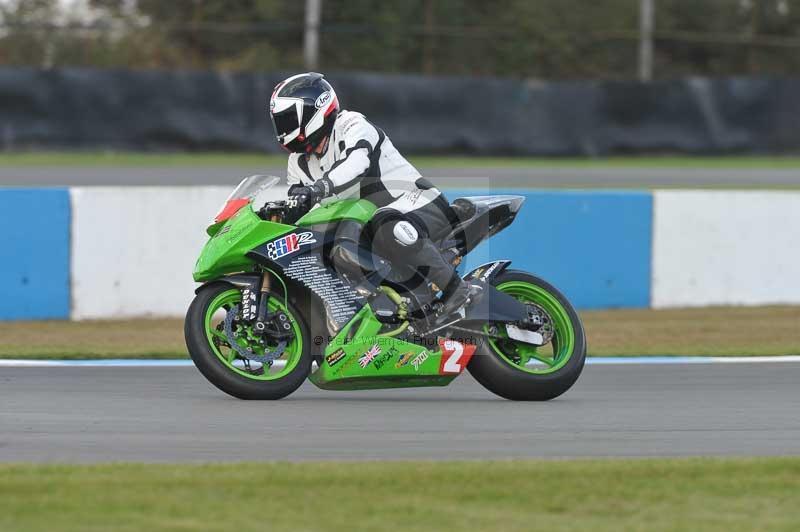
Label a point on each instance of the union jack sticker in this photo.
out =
(365, 359)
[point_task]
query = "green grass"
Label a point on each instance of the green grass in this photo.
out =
(615, 162)
(611, 495)
(709, 331)
(93, 339)
(715, 331)
(136, 159)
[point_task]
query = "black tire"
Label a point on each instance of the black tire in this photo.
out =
(220, 375)
(502, 378)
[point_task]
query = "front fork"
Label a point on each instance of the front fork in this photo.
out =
(262, 304)
(255, 308)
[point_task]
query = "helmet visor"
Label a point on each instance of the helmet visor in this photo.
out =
(285, 122)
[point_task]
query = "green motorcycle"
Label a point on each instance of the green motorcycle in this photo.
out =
(281, 303)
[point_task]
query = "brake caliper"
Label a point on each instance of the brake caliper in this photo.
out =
(539, 321)
(269, 356)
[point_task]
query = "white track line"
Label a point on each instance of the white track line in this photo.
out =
(600, 361)
(94, 363)
(692, 360)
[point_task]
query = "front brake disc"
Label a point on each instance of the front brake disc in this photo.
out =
(245, 352)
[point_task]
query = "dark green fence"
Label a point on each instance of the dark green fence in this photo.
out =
(160, 110)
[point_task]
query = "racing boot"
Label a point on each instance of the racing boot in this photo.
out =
(438, 270)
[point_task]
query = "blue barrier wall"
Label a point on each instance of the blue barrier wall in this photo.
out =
(594, 246)
(34, 254)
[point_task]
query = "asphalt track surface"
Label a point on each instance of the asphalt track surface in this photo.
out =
(172, 414)
(479, 177)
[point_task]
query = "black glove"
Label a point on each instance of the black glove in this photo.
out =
(301, 199)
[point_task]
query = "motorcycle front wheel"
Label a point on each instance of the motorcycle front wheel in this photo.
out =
(212, 352)
(524, 372)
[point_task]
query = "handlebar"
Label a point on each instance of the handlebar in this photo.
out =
(273, 211)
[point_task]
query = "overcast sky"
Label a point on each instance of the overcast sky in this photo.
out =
(76, 8)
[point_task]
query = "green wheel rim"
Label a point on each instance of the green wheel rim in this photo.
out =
(217, 339)
(563, 341)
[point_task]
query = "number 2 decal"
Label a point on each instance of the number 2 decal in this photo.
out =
(455, 356)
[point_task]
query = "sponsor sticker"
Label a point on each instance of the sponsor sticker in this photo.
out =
(288, 244)
(419, 359)
(365, 359)
(489, 272)
(414, 196)
(323, 100)
(335, 357)
(455, 356)
(342, 368)
(404, 359)
(381, 360)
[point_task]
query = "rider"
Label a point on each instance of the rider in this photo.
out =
(335, 152)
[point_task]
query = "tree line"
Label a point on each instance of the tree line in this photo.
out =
(544, 39)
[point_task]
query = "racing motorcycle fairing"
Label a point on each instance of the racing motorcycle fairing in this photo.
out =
(359, 210)
(358, 358)
(227, 250)
(298, 256)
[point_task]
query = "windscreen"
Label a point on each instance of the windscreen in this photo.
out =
(248, 189)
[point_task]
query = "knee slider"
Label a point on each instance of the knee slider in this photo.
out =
(406, 234)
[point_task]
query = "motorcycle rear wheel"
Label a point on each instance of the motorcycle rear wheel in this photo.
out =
(211, 352)
(523, 372)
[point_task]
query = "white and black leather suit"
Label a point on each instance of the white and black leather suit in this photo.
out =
(360, 161)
